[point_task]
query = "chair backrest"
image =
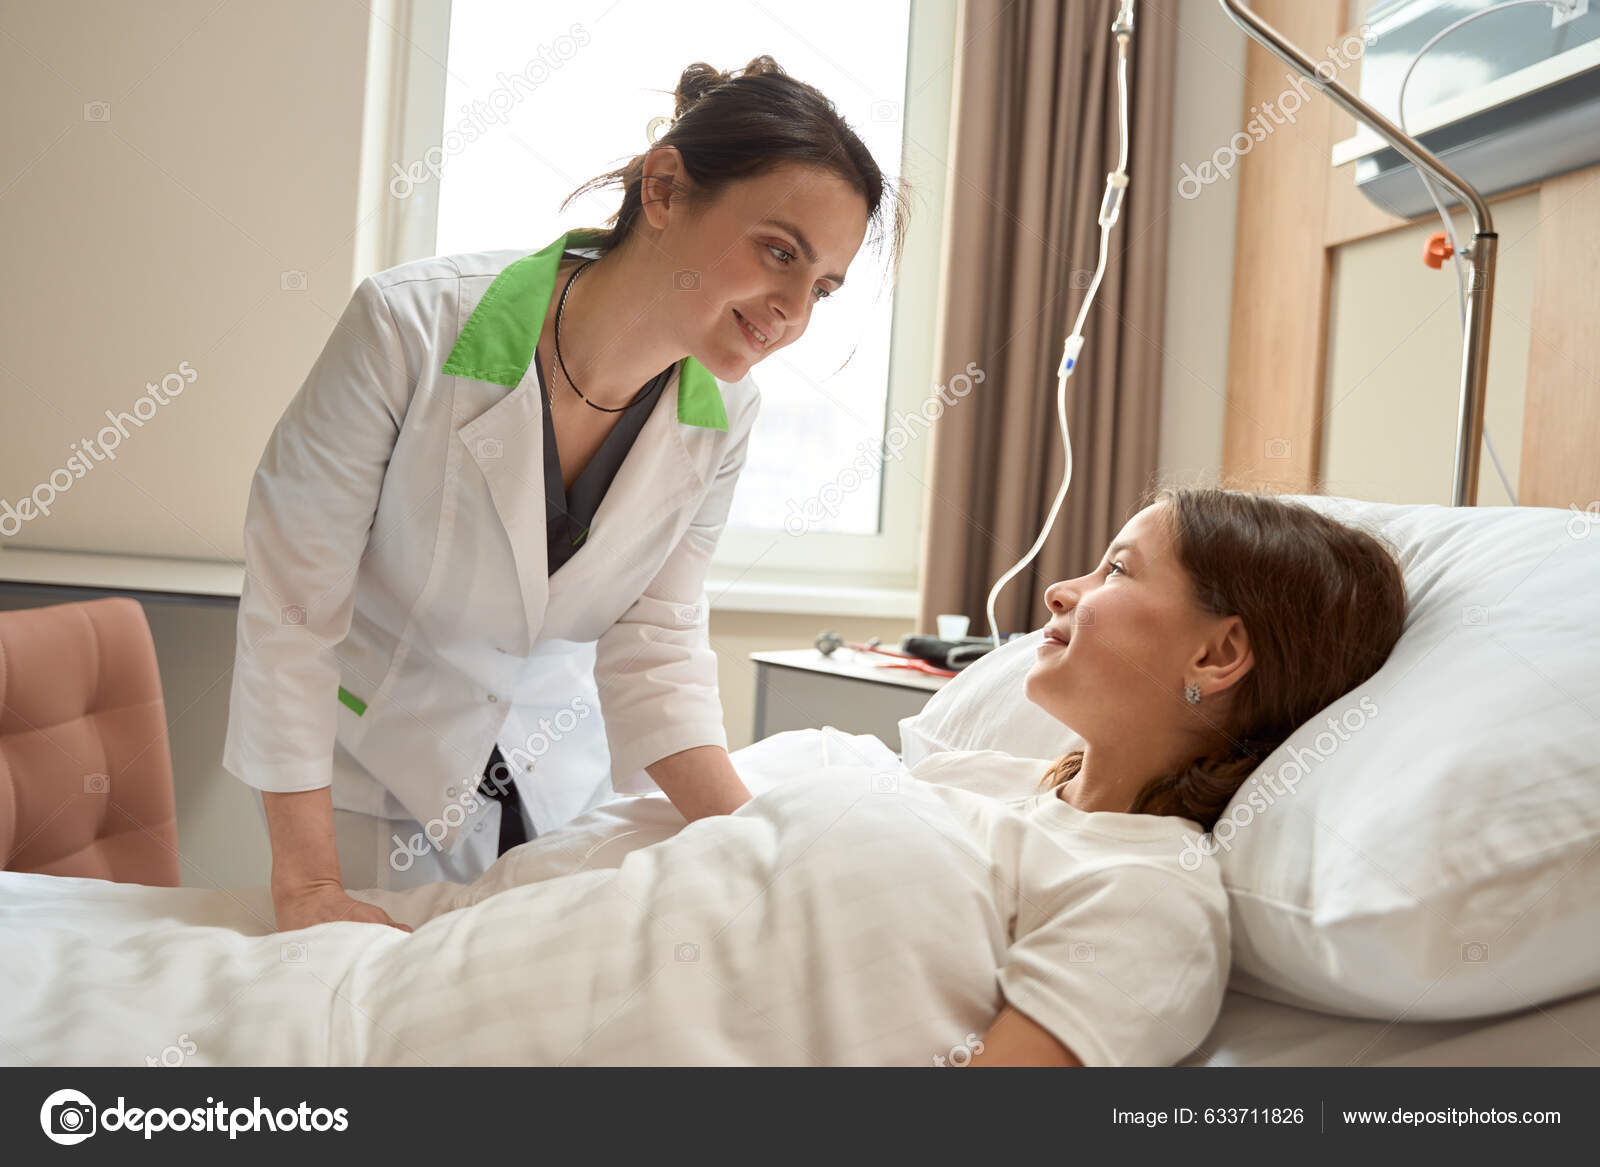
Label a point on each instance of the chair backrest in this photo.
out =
(85, 772)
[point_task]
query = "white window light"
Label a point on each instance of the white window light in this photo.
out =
(828, 510)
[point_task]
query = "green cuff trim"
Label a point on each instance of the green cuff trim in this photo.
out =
(352, 701)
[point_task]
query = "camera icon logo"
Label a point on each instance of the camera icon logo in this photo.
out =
(885, 782)
(97, 784)
(1081, 953)
(293, 952)
(686, 953)
(885, 111)
(490, 447)
(1474, 616)
(67, 1117)
(1474, 952)
(292, 281)
(1277, 449)
(686, 280)
(293, 614)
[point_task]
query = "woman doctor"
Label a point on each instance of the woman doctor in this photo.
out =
(485, 518)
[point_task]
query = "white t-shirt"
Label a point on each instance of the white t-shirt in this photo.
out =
(1116, 949)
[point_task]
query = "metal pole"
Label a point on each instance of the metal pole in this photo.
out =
(1480, 255)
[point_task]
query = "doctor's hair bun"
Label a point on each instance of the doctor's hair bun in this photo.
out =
(700, 79)
(735, 126)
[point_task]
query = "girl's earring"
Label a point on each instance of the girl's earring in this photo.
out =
(1191, 693)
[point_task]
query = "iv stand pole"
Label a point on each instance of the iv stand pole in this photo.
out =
(1479, 256)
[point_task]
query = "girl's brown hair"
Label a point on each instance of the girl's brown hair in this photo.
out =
(743, 124)
(1322, 603)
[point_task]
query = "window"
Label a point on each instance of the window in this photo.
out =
(538, 99)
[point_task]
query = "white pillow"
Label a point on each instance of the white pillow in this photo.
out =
(1440, 857)
(983, 708)
(1444, 860)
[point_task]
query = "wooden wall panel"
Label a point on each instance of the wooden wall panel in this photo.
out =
(1272, 434)
(1561, 419)
(1351, 215)
(1295, 207)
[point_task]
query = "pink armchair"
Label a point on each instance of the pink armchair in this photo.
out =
(85, 773)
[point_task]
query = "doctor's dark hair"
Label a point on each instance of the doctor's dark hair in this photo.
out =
(1323, 605)
(742, 124)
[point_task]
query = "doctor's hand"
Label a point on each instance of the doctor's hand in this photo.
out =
(320, 903)
(306, 888)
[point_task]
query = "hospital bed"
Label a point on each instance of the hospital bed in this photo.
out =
(1507, 588)
(1254, 1032)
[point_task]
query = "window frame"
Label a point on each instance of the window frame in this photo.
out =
(752, 569)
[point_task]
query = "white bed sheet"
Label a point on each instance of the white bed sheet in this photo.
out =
(225, 929)
(785, 934)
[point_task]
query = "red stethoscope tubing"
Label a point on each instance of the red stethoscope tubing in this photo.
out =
(906, 660)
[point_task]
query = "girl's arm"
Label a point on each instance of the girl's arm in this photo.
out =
(1015, 1039)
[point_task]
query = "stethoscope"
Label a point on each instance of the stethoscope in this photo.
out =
(830, 642)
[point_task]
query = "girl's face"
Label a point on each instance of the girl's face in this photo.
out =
(767, 252)
(1120, 639)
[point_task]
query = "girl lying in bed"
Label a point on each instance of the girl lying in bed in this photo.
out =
(858, 913)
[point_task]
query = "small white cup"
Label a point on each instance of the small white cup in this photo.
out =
(952, 627)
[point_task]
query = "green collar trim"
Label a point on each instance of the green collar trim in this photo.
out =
(499, 339)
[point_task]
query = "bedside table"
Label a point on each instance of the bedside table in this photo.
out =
(802, 689)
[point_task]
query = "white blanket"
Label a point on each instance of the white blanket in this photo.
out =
(835, 920)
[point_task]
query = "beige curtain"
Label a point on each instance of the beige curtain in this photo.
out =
(1034, 135)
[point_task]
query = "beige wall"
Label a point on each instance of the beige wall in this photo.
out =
(1194, 370)
(161, 233)
(1394, 363)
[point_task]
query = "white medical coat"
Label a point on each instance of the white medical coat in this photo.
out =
(396, 599)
